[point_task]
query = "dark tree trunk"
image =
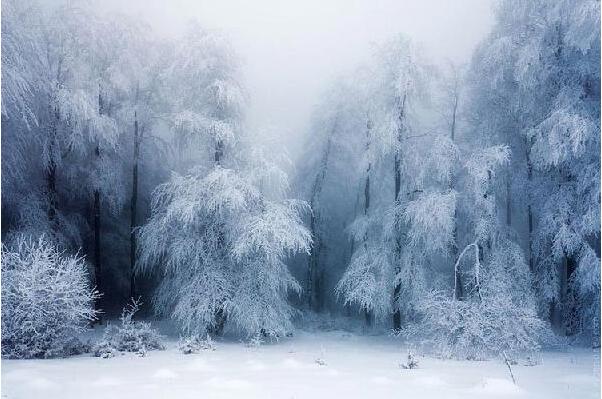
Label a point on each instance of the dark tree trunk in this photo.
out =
(219, 152)
(508, 199)
(459, 291)
(459, 287)
(314, 284)
(220, 316)
(52, 195)
(220, 322)
(559, 307)
(397, 288)
(347, 308)
(529, 210)
(312, 278)
(397, 178)
(96, 215)
(367, 314)
(454, 116)
(368, 318)
(133, 209)
(51, 170)
(97, 262)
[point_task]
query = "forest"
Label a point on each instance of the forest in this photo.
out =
(453, 209)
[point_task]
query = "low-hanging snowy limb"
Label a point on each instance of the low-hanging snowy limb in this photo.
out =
(477, 268)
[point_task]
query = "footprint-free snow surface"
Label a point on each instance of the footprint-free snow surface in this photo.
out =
(308, 365)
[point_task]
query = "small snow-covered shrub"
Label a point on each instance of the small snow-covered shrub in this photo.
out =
(195, 344)
(131, 336)
(412, 362)
(46, 300)
(320, 362)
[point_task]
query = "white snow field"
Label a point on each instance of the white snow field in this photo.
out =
(353, 366)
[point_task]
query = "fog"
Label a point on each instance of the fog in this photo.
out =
(292, 50)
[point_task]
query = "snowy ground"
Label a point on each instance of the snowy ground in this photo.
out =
(355, 367)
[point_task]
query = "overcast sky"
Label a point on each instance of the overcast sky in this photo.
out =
(292, 49)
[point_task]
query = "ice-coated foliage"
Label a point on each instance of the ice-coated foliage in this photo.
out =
(220, 245)
(205, 96)
(367, 279)
(129, 336)
(264, 239)
(431, 217)
(474, 329)
(19, 49)
(46, 299)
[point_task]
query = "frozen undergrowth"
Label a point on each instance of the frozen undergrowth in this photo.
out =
(128, 336)
(354, 366)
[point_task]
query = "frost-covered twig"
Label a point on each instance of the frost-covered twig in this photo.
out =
(477, 267)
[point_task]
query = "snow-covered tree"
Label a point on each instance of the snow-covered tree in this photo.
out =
(496, 311)
(396, 140)
(221, 245)
(206, 96)
(220, 235)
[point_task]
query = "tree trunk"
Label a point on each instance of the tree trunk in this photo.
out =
(219, 316)
(459, 288)
(314, 285)
(219, 152)
(487, 243)
(55, 117)
(96, 214)
(562, 303)
(52, 195)
(397, 178)
(51, 172)
(508, 199)
(397, 288)
(529, 210)
(97, 262)
(313, 265)
(454, 116)
(133, 208)
(367, 314)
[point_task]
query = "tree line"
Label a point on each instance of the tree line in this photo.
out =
(457, 205)
(448, 197)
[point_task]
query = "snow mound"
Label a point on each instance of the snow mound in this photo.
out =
(199, 365)
(165, 374)
(106, 382)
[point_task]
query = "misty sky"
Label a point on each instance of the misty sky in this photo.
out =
(292, 49)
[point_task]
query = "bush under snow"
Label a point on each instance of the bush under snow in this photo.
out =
(131, 336)
(195, 344)
(46, 299)
(476, 330)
